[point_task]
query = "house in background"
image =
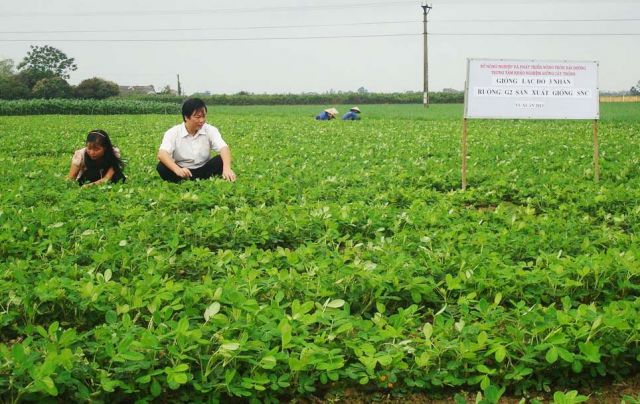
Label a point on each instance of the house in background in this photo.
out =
(140, 90)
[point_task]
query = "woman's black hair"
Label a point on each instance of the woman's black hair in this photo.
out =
(110, 159)
(192, 105)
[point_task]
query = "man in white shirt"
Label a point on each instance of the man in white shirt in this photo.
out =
(185, 152)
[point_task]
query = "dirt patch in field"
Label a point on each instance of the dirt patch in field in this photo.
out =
(627, 390)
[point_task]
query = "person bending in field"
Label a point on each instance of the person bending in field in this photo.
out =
(98, 162)
(185, 152)
(352, 115)
(327, 115)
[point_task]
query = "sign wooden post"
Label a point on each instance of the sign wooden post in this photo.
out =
(464, 154)
(596, 151)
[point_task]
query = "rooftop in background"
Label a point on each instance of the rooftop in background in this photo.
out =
(126, 90)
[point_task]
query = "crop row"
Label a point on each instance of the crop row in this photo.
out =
(345, 255)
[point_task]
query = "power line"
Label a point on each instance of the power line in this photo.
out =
(207, 39)
(541, 20)
(203, 11)
(313, 37)
(536, 34)
(306, 26)
(203, 29)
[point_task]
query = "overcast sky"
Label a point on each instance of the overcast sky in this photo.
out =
(281, 46)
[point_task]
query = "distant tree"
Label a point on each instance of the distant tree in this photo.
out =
(6, 67)
(96, 88)
(635, 90)
(362, 90)
(29, 77)
(53, 87)
(48, 59)
(12, 89)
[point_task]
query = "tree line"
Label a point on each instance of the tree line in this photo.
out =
(43, 74)
(342, 98)
(44, 71)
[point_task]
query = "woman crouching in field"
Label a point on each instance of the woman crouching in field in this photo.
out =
(97, 162)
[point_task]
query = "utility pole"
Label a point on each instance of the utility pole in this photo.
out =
(425, 95)
(179, 88)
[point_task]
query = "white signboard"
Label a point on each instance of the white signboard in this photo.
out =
(531, 89)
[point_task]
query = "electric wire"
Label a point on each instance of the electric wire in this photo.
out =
(258, 27)
(202, 11)
(310, 37)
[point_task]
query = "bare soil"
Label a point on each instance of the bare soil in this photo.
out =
(627, 391)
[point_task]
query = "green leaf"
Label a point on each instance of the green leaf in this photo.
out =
(337, 303)
(18, 354)
(368, 362)
(53, 327)
(482, 338)
(590, 351)
(68, 337)
(180, 378)
(40, 330)
(132, 356)
(492, 393)
(230, 346)
(50, 386)
(296, 365)
(576, 366)
(566, 355)
(183, 367)
(485, 369)
(500, 354)
(552, 355)
(346, 327)
(285, 332)
(211, 311)
(229, 374)
(144, 379)
(427, 330)
(384, 360)
(570, 397)
(485, 383)
(155, 389)
(111, 317)
(268, 362)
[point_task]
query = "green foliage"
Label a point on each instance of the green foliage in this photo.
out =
(96, 88)
(29, 77)
(48, 59)
(6, 68)
(53, 87)
(347, 98)
(570, 397)
(85, 107)
(345, 255)
(12, 89)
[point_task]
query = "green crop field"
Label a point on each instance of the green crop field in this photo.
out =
(344, 257)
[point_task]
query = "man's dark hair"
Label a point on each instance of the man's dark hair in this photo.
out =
(192, 105)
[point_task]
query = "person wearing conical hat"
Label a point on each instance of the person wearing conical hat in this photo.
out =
(327, 114)
(352, 115)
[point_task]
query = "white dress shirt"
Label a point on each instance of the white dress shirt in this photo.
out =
(192, 151)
